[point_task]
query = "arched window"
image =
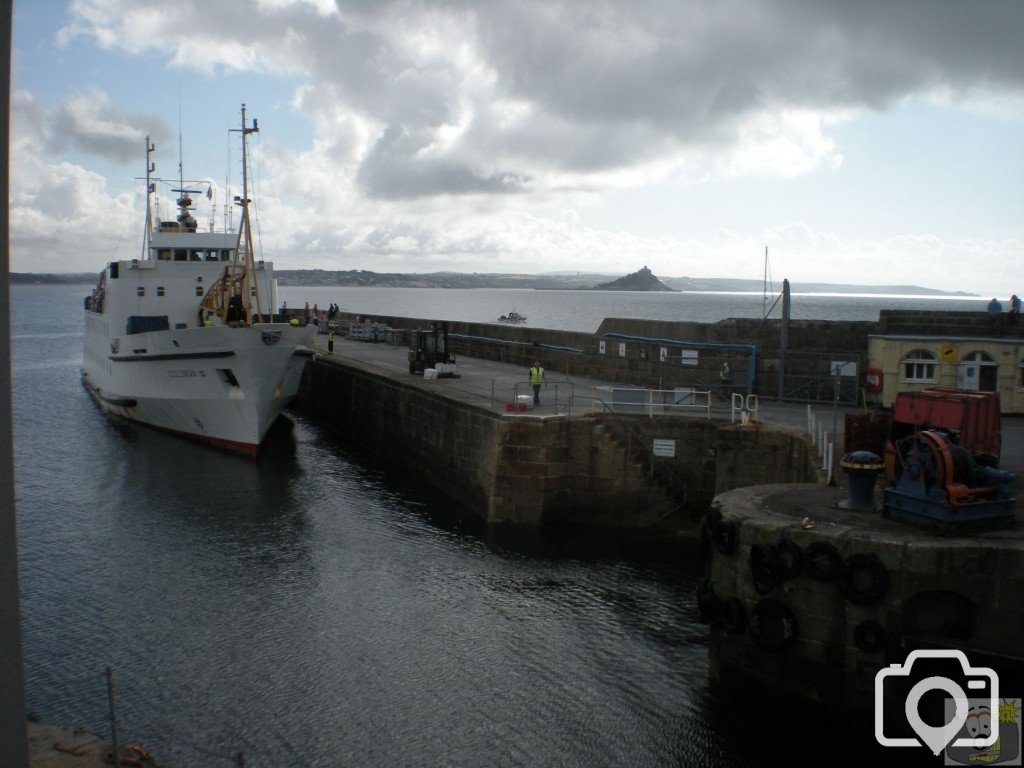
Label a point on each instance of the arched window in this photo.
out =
(978, 370)
(919, 366)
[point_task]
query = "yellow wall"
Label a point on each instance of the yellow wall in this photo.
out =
(888, 352)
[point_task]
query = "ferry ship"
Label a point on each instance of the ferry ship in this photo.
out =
(186, 338)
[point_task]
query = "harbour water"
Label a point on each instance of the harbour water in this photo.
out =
(317, 609)
(584, 310)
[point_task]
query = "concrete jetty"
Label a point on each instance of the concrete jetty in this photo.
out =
(579, 456)
(576, 458)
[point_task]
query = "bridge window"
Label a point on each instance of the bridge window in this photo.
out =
(919, 366)
(159, 290)
(140, 291)
(199, 290)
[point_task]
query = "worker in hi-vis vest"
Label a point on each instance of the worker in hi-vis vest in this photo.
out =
(536, 379)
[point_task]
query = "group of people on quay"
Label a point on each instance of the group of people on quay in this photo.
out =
(995, 309)
(315, 315)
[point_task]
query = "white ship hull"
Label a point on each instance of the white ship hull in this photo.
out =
(225, 385)
(184, 339)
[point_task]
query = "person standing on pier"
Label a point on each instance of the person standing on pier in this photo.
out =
(330, 340)
(1014, 309)
(536, 379)
(995, 314)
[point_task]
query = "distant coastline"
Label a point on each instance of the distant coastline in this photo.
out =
(551, 281)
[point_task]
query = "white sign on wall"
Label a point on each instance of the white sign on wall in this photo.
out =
(663, 354)
(666, 448)
(839, 368)
(622, 349)
(600, 346)
(688, 357)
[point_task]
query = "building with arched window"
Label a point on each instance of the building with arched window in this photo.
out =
(918, 367)
(909, 362)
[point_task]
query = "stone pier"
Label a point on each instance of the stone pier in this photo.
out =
(568, 460)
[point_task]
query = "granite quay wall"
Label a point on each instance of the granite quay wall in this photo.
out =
(811, 615)
(638, 362)
(590, 469)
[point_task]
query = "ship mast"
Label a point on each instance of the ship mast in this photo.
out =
(150, 188)
(249, 282)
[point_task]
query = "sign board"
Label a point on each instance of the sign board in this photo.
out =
(666, 448)
(839, 368)
(600, 346)
(948, 353)
(663, 354)
(622, 349)
(688, 357)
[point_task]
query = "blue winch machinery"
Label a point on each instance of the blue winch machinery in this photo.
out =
(944, 487)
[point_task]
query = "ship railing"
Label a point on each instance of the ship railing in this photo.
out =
(652, 402)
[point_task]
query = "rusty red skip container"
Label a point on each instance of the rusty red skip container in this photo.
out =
(973, 415)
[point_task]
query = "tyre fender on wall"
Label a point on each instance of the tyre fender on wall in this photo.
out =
(864, 579)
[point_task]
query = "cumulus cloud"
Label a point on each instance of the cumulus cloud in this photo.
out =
(91, 122)
(457, 134)
(63, 219)
(468, 97)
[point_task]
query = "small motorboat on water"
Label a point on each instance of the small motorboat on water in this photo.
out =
(512, 318)
(187, 338)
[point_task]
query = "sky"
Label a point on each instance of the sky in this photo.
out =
(872, 143)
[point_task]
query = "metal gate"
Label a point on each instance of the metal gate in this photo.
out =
(811, 377)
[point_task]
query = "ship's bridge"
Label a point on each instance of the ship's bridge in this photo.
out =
(192, 246)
